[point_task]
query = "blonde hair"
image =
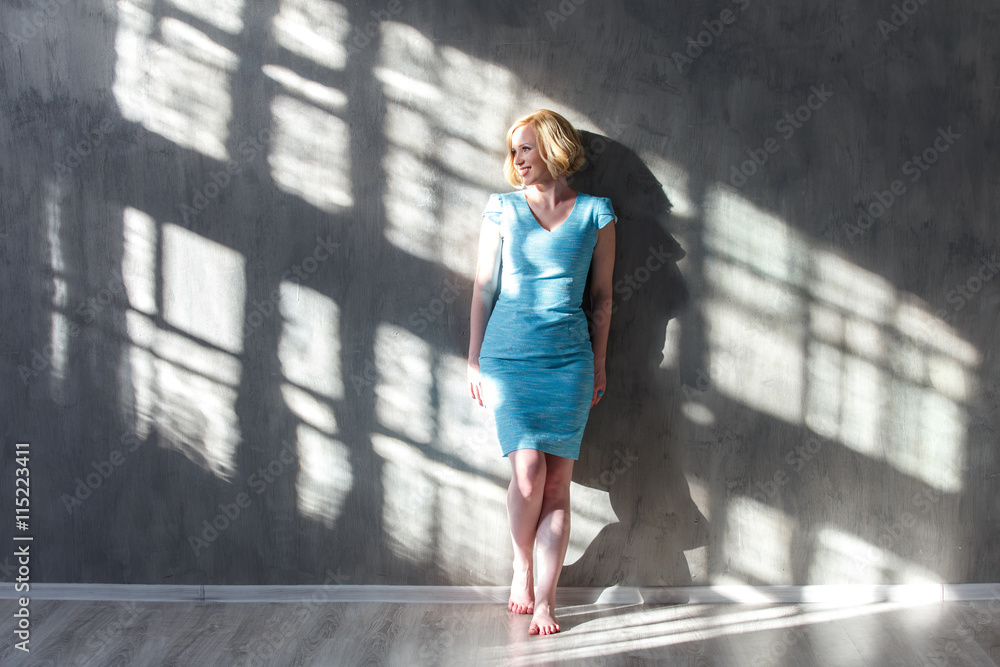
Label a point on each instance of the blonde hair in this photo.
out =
(558, 145)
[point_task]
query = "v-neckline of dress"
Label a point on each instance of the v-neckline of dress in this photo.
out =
(538, 222)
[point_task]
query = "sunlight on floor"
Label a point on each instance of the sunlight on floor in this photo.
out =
(677, 625)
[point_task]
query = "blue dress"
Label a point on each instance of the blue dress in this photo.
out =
(536, 363)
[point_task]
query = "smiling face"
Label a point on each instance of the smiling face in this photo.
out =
(528, 158)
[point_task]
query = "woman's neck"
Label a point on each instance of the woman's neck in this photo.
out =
(551, 193)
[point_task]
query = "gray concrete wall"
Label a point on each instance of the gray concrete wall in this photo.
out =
(237, 248)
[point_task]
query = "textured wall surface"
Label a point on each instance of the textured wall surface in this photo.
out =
(237, 247)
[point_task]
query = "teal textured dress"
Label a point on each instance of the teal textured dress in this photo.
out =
(536, 362)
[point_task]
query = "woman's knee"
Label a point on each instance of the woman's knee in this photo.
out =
(529, 469)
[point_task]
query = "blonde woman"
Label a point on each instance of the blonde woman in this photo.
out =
(532, 361)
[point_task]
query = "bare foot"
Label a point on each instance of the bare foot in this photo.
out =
(522, 593)
(543, 622)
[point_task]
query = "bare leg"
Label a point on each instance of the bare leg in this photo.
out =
(524, 503)
(553, 539)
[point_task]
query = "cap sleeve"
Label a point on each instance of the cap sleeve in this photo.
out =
(604, 212)
(494, 209)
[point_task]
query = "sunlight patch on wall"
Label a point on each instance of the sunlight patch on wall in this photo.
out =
(139, 259)
(325, 476)
(139, 271)
(750, 317)
(433, 513)
(204, 288)
(310, 154)
(188, 391)
(753, 270)
(405, 383)
(313, 411)
(309, 347)
(446, 118)
(472, 515)
(465, 429)
(59, 328)
(844, 558)
(183, 383)
(409, 497)
(815, 339)
(173, 79)
(740, 233)
(313, 30)
(758, 541)
(223, 14)
(591, 511)
(316, 93)
(675, 181)
(138, 372)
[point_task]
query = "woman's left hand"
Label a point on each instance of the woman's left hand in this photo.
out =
(600, 384)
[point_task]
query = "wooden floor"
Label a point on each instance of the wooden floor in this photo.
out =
(82, 633)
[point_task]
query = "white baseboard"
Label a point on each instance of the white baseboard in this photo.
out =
(735, 594)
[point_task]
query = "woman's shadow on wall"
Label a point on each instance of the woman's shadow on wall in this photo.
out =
(630, 445)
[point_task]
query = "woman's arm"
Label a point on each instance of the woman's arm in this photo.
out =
(484, 288)
(602, 267)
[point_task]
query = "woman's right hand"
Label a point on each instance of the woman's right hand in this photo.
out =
(475, 382)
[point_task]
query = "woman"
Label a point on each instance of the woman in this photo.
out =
(532, 361)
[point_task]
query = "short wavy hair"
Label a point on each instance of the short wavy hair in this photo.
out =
(558, 143)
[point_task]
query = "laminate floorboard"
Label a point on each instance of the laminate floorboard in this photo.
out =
(182, 634)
